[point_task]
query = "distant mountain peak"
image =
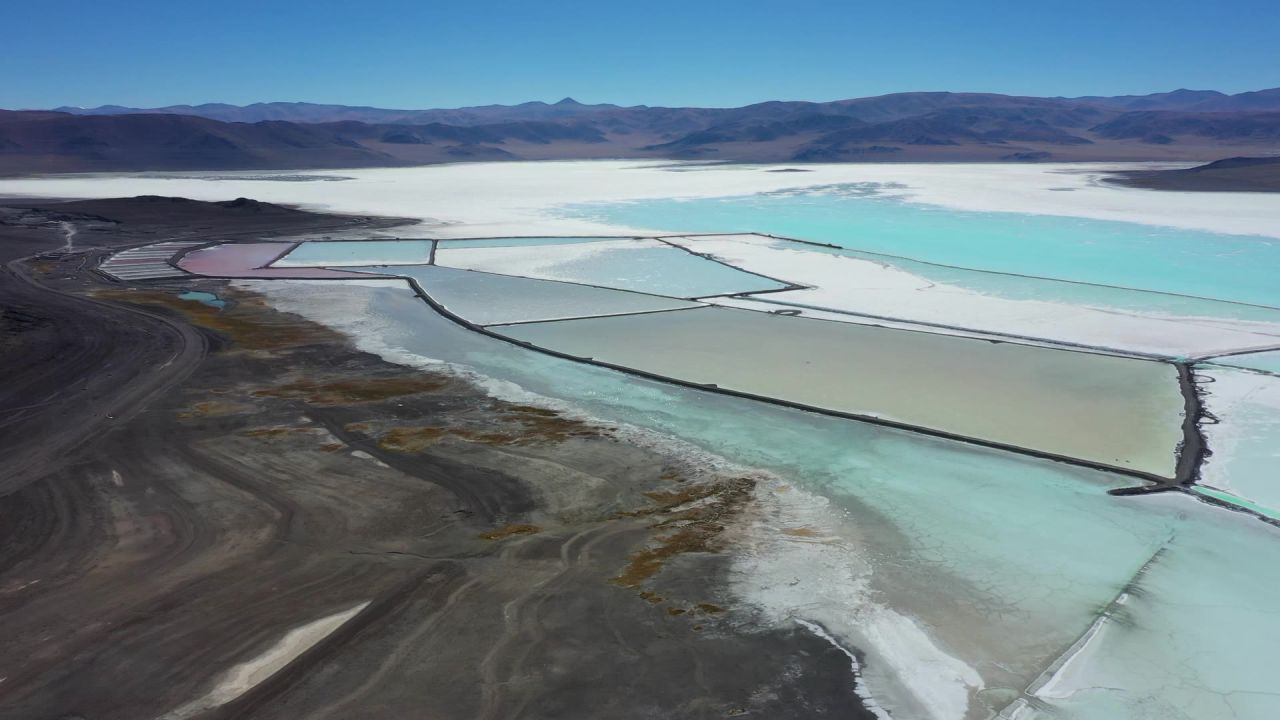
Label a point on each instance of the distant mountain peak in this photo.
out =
(568, 101)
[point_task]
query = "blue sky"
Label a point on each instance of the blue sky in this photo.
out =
(724, 53)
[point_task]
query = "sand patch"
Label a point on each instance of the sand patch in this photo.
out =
(247, 675)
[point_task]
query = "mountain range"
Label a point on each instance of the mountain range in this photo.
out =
(927, 126)
(1185, 100)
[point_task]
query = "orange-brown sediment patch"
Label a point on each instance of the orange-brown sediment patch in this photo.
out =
(697, 512)
(248, 323)
(281, 431)
(215, 408)
(345, 392)
(409, 439)
(519, 427)
(513, 530)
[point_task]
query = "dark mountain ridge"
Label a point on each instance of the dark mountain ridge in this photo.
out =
(302, 112)
(920, 127)
(172, 142)
(870, 109)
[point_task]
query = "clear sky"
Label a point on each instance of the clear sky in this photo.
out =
(425, 53)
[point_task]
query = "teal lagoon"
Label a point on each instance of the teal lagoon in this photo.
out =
(204, 298)
(1268, 362)
(1239, 268)
(1007, 560)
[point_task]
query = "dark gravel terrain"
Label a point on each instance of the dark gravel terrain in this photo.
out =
(1241, 174)
(183, 486)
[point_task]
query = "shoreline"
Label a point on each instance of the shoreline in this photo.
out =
(303, 477)
(542, 508)
(476, 201)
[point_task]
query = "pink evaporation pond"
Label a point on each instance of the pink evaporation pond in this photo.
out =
(247, 260)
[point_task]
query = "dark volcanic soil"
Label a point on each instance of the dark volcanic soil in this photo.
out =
(1241, 174)
(184, 485)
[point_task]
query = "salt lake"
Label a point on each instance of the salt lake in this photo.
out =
(975, 582)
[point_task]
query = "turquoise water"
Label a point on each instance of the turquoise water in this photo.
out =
(1015, 287)
(204, 298)
(625, 265)
(1240, 501)
(1227, 267)
(1265, 361)
(1005, 559)
(1195, 641)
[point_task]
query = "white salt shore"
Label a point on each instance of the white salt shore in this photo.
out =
(1245, 437)
(970, 573)
(856, 285)
(474, 199)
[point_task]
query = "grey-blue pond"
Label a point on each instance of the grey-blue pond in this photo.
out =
(487, 299)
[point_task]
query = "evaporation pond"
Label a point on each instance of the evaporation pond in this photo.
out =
(1265, 361)
(358, 252)
(1193, 638)
(1125, 254)
(485, 299)
(1104, 409)
(1245, 439)
(852, 283)
(249, 260)
(642, 265)
(459, 243)
(1002, 561)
